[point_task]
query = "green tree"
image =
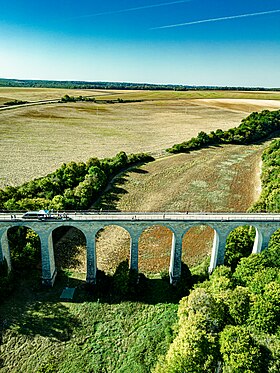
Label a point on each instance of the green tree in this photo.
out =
(247, 267)
(25, 247)
(239, 244)
(239, 351)
(238, 302)
(264, 313)
(57, 203)
(194, 349)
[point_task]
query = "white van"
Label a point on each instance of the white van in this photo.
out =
(35, 215)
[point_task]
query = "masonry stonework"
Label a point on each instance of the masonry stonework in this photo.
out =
(222, 225)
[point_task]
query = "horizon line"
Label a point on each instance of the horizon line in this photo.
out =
(190, 86)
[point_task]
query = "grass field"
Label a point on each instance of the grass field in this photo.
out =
(41, 333)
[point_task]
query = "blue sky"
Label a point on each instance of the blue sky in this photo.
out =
(196, 42)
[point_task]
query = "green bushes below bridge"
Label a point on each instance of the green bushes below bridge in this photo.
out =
(230, 323)
(255, 127)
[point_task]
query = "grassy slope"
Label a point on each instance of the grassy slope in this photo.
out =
(89, 335)
(216, 179)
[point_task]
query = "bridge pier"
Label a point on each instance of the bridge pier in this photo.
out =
(91, 257)
(218, 250)
(176, 257)
(47, 255)
(134, 240)
(263, 235)
(5, 253)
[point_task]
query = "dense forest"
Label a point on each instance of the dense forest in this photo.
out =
(118, 85)
(255, 127)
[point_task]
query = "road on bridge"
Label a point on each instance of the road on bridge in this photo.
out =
(143, 216)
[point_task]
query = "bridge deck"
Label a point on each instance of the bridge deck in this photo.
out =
(148, 216)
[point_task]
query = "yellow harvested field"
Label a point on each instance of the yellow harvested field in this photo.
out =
(36, 140)
(39, 94)
(241, 104)
(198, 94)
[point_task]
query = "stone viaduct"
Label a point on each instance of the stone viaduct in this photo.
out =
(135, 223)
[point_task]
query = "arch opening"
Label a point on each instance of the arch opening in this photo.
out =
(69, 245)
(240, 243)
(155, 245)
(25, 252)
(197, 245)
(112, 247)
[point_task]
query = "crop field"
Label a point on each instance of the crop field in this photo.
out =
(35, 140)
(41, 94)
(197, 94)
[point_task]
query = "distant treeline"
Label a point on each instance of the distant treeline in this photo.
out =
(118, 85)
(72, 186)
(15, 102)
(68, 98)
(255, 127)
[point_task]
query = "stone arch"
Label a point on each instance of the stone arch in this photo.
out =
(245, 237)
(69, 244)
(113, 244)
(274, 238)
(22, 247)
(197, 243)
(264, 234)
(155, 247)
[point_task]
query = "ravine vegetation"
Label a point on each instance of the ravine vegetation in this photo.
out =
(73, 186)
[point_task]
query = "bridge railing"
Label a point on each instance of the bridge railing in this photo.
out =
(146, 216)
